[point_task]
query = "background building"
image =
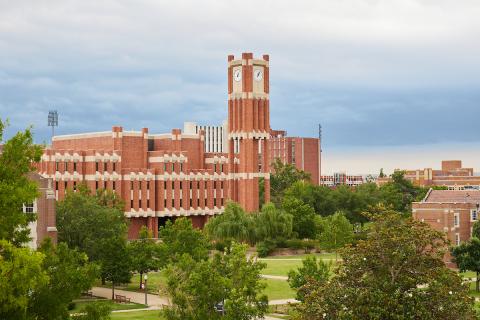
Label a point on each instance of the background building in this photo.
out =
(452, 175)
(303, 153)
(451, 211)
(341, 178)
(161, 176)
(216, 137)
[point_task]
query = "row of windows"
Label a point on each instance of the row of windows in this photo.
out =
(190, 184)
(98, 185)
(181, 202)
(97, 166)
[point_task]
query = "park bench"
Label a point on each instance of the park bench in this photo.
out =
(121, 299)
(87, 294)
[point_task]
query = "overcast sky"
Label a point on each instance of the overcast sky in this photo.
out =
(394, 83)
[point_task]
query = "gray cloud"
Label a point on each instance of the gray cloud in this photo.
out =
(395, 72)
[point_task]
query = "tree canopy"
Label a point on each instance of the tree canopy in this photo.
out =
(467, 257)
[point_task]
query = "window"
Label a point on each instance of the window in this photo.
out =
(214, 202)
(164, 167)
(148, 185)
(456, 222)
(221, 168)
(148, 203)
(140, 203)
(113, 186)
(214, 167)
(191, 185)
(96, 166)
(74, 185)
(66, 166)
(198, 202)
(214, 184)
(457, 239)
(105, 166)
(165, 203)
(96, 185)
(181, 202)
(114, 166)
(191, 202)
(65, 185)
(181, 185)
(173, 203)
(56, 185)
(165, 185)
(181, 167)
(28, 208)
(74, 166)
(131, 203)
(56, 165)
(131, 185)
(173, 185)
(473, 215)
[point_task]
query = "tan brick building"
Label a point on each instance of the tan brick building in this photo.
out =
(341, 178)
(303, 153)
(452, 175)
(451, 211)
(160, 176)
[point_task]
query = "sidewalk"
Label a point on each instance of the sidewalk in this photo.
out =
(137, 297)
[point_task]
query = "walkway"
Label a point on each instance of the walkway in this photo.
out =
(137, 297)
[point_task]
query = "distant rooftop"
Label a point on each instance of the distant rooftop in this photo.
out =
(456, 196)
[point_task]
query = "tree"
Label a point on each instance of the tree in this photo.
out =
(231, 279)
(16, 189)
(272, 223)
(311, 270)
(69, 274)
(181, 238)
(335, 231)
(233, 224)
(476, 229)
(396, 273)
(381, 174)
(115, 262)
(95, 311)
(145, 254)
(303, 223)
(400, 193)
(467, 257)
(284, 175)
(21, 274)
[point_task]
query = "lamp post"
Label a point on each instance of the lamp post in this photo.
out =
(145, 278)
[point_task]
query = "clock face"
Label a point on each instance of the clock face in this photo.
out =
(237, 75)
(258, 74)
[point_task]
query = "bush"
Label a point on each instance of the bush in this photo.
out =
(297, 244)
(264, 248)
(220, 245)
(71, 306)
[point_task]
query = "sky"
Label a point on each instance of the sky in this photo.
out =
(394, 84)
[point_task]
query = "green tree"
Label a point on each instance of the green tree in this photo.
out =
(233, 224)
(381, 174)
(69, 274)
(476, 229)
(400, 193)
(115, 261)
(284, 175)
(467, 257)
(21, 274)
(95, 311)
(196, 287)
(311, 270)
(181, 238)
(145, 253)
(303, 223)
(396, 273)
(335, 231)
(272, 223)
(16, 189)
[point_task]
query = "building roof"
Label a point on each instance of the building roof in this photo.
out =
(455, 196)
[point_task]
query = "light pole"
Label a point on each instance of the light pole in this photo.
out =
(145, 278)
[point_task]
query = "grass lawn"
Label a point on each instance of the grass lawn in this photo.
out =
(115, 306)
(323, 256)
(137, 315)
(278, 289)
(277, 266)
(155, 280)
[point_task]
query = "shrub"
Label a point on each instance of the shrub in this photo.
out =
(295, 244)
(264, 248)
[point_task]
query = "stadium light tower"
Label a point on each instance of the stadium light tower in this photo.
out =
(53, 120)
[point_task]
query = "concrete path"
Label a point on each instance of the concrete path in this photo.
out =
(282, 301)
(267, 276)
(137, 297)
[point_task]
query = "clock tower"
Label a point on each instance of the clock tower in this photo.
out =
(248, 129)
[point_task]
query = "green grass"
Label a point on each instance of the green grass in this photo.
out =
(323, 256)
(278, 266)
(278, 289)
(155, 281)
(115, 306)
(137, 315)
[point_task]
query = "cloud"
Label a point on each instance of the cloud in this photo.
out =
(373, 72)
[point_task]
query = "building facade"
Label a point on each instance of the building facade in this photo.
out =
(341, 178)
(303, 153)
(216, 137)
(452, 175)
(451, 211)
(162, 176)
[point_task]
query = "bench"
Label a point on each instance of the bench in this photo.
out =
(121, 299)
(87, 294)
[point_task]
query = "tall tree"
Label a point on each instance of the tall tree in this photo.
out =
(21, 274)
(400, 193)
(145, 254)
(115, 261)
(69, 274)
(311, 270)
(303, 223)
(233, 224)
(179, 238)
(284, 175)
(231, 280)
(16, 189)
(396, 273)
(467, 257)
(335, 231)
(272, 223)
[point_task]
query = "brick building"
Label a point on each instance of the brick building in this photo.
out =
(452, 175)
(451, 211)
(160, 176)
(44, 208)
(304, 153)
(341, 178)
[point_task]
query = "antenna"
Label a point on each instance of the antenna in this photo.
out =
(53, 120)
(319, 131)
